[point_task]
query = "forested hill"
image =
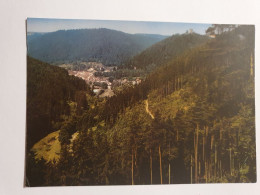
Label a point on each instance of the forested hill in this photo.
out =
(165, 50)
(104, 45)
(203, 129)
(49, 91)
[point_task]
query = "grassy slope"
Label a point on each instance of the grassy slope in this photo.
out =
(48, 148)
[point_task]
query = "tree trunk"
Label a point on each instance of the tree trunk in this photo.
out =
(211, 143)
(169, 173)
(151, 166)
(175, 83)
(191, 169)
(209, 169)
(215, 171)
(196, 156)
(203, 157)
(169, 164)
(160, 156)
(181, 82)
(178, 83)
(220, 134)
(194, 143)
(206, 172)
(132, 166)
(199, 169)
(135, 156)
(230, 159)
(220, 167)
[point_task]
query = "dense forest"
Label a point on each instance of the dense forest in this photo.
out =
(49, 89)
(100, 45)
(165, 50)
(192, 120)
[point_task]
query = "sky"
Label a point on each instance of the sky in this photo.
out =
(132, 27)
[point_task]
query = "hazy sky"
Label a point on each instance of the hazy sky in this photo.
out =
(163, 28)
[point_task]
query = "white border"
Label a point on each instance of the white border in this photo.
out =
(13, 76)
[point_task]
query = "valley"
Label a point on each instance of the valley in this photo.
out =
(100, 78)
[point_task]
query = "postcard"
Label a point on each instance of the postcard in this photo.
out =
(139, 103)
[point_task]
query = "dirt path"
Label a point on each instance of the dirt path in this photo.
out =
(147, 109)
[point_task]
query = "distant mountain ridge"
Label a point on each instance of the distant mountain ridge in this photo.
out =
(103, 45)
(33, 35)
